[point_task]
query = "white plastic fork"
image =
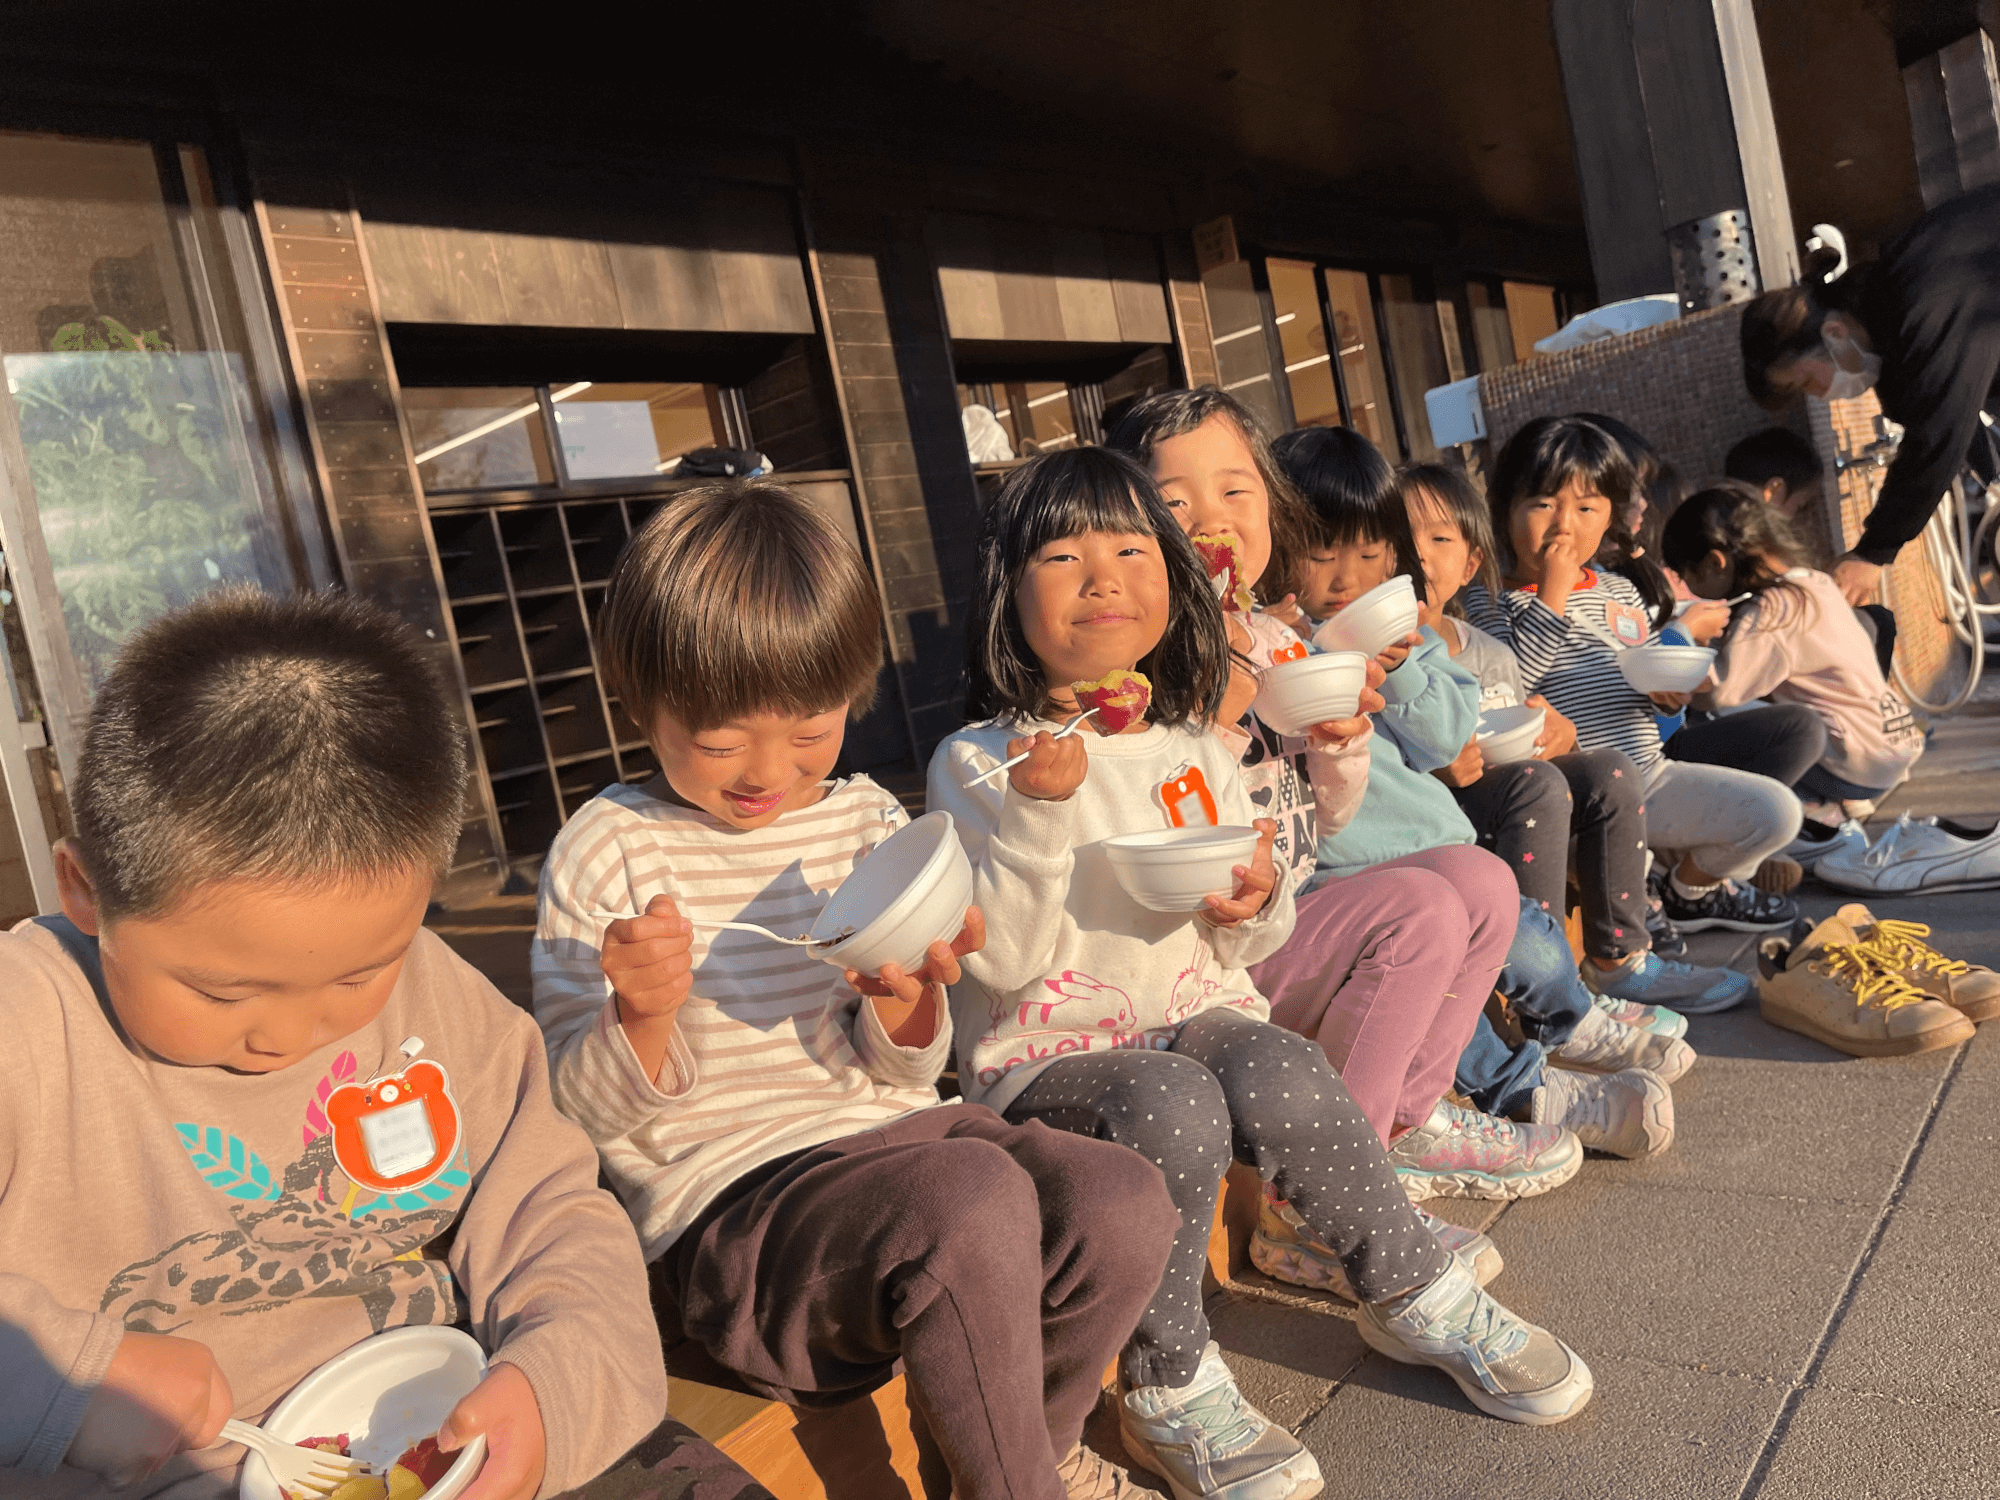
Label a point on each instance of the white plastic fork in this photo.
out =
(298, 1471)
(1062, 733)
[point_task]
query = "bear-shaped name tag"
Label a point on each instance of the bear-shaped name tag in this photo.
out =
(397, 1132)
(1294, 652)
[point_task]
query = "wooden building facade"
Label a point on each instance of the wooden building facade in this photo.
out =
(443, 339)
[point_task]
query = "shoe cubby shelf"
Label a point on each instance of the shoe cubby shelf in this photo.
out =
(524, 582)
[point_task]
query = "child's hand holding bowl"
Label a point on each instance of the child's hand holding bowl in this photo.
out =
(1339, 731)
(503, 1408)
(1468, 768)
(1053, 770)
(1392, 657)
(1558, 735)
(941, 967)
(1254, 883)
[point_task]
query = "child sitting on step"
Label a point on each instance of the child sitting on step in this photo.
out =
(810, 1213)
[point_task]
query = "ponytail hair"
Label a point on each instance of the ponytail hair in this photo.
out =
(1546, 455)
(1732, 518)
(1780, 326)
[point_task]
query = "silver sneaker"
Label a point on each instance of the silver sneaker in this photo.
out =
(1602, 1045)
(1506, 1366)
(1628, 1114)
(1208, 1443)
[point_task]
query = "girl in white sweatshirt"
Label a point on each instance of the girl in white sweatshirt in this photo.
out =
(1096, 1015)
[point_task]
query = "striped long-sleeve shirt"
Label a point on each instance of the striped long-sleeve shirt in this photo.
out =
(774, 1052)
(1576, 670)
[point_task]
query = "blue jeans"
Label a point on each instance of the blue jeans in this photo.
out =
(1547, 997)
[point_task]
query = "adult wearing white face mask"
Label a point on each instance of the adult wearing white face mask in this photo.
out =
(1922, 325)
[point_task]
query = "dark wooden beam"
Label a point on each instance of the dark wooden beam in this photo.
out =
(1672, 123)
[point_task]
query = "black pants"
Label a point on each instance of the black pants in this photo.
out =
(1780, 742)
(1880, 623)
(1527, 813)
(1234, 1088)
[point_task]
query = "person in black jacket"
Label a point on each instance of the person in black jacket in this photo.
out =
(1922, 325)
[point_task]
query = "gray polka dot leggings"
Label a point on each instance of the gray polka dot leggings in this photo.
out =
(1231, 1088)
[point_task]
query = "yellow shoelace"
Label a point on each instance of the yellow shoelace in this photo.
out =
(1873, 983)
(1898, 943)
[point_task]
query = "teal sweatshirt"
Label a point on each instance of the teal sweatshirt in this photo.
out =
(1433, 709)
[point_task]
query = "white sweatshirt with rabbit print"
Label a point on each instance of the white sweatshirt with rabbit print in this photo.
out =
(1072, 963)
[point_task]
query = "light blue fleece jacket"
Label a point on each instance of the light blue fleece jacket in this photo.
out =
(1433, 709)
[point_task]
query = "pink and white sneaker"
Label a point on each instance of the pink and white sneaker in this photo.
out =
(1461, 1153)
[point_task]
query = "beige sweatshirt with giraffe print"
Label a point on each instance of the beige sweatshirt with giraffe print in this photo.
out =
(142, 1195)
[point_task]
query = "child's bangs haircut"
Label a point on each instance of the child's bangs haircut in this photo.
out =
(1068, 494)
(1171, 414)
(1351, 496)
(1439, 489)
(739, 598)
(1542, 458)
(302, 742)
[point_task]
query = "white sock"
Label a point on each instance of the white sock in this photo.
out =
(1688, 892)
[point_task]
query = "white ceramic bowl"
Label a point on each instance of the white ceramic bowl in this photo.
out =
(1374, 622)
(1509, 734)
(1176, 869)
(1295, 695)
(1665, 669)
(387, 1394)
(912, 889)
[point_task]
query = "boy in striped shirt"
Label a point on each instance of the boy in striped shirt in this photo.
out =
(809, 1214)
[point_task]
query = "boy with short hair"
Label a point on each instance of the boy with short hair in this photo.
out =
(252, 1113)
(1781, 466)
(810, 1212)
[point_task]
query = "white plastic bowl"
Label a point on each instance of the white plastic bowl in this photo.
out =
(1177, 869)
(1509, 734)
(1374, 622)
(912, 889)
(1665, 669)
(387, 1394)
(1295, 695)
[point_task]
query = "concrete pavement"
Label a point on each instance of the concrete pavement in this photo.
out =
(1795, 1302)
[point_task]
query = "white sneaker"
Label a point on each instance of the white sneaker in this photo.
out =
(1506, 1366)
(1628, 1114)
(1916, 856)
(1208, 1443)
(1602, 1045)
(1849, 837)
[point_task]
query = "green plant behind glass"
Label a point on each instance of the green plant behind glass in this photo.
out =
(139, 503)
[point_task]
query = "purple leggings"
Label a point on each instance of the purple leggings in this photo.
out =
(1387, 970)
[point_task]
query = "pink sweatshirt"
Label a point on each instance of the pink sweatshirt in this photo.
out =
(1813, 650)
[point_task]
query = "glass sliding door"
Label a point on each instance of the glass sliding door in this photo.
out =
(137, 415)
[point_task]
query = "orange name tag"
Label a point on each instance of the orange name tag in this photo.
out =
(1626, 624)
(1294, 652)
(1186, 797)
(396, 1133)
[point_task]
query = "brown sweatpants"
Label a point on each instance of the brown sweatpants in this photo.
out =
(1003, 1264)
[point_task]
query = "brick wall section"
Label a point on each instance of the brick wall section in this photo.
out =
(1681, 384)
(892, 367)
(339, 352)
(1923, 640)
